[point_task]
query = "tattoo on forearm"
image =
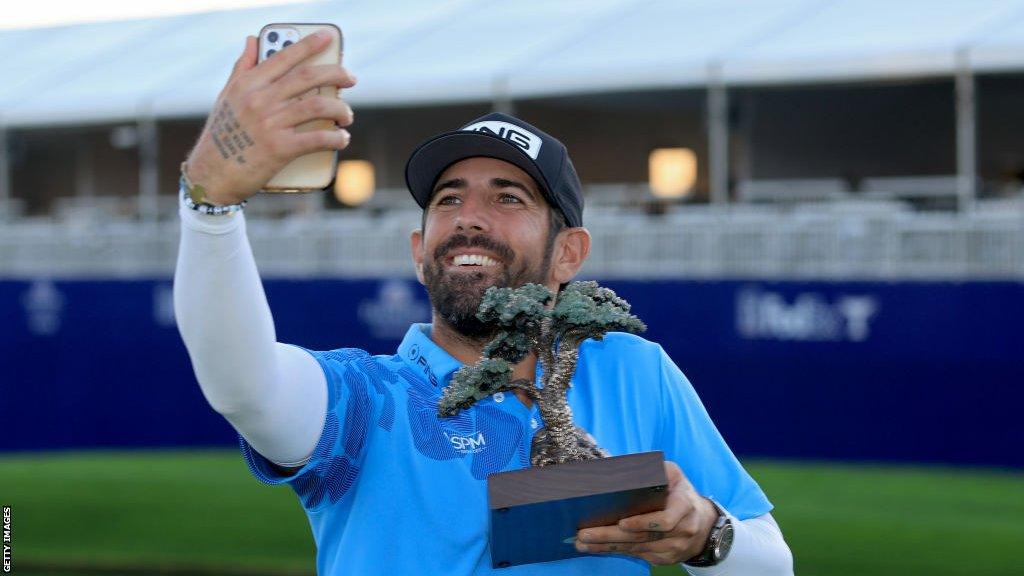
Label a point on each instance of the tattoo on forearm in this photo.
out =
(228, 135)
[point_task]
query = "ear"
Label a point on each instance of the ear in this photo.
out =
(416, 241)
(571, 249)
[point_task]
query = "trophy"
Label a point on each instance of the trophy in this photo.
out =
(572, 483)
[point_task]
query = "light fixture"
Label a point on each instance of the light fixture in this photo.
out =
(354, 182)
(672, 172)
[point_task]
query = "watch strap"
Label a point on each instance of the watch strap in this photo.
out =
(710, 556)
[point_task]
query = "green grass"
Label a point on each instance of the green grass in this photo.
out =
(140, 512)
(152, 508)
(881, 520)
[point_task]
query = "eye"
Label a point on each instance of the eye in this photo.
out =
(447, 200)
(506, 198)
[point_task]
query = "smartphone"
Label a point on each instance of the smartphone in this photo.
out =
(315, 171)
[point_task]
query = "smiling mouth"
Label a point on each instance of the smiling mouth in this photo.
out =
(473, 261)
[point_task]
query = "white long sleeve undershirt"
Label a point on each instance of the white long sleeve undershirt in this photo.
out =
(757, 548)
(275, 395)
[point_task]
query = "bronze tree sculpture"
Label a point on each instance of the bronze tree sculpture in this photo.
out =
(524, 323)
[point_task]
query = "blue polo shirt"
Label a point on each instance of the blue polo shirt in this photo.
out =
(393, 489)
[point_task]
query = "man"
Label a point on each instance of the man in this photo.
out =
(388, 486)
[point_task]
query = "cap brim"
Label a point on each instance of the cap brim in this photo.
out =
(431, 159)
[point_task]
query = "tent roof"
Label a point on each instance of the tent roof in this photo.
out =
(408, 52)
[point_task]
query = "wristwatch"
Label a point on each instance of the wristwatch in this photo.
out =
(719, 541)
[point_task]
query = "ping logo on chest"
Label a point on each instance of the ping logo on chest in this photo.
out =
(528, 141)
(421, 361)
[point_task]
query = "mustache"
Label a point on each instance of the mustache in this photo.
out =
(463, 241)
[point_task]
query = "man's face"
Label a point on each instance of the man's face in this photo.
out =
(486, 225)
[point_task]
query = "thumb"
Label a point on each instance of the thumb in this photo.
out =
(247, 60)
(676, 478)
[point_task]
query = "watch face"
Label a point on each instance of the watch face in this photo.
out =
(724, 543)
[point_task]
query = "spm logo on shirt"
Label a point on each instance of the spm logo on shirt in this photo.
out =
(467, 444)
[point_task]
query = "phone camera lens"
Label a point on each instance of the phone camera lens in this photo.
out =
(271, 52)
(272, 36)
(287, 43)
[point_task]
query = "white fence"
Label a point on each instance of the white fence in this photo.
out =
(823, 242)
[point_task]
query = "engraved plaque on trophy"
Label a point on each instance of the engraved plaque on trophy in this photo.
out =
(572, 483)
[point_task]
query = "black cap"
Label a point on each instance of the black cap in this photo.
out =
(504, 137)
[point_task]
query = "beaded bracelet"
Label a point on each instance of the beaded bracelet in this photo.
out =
(193, 196)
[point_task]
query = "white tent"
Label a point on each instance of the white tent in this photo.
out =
(408, 52)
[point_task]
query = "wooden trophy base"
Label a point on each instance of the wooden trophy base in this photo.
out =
(535, 512)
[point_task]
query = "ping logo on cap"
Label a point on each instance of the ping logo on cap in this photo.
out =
(528, 141)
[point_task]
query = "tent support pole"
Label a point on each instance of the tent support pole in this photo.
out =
(85, 175)
(718, 137)
(5, 177)
(504, 105)
(149, 170)
(966, 134)
(502, 102)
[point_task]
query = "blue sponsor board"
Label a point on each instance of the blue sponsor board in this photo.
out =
(908, 371)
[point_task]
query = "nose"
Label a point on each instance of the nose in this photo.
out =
(473, 214)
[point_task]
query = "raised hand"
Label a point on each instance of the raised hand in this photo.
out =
(251, 135)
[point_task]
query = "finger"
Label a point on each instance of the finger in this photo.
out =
(610, 534)
(677, 506)
(661, 521)
(631, 548)
(611, 548)
(248, 58)
(320, 140)
(318, 107)
(666, 547)
(674, 475)
(302, 79)
(666, 558)
(281, 63)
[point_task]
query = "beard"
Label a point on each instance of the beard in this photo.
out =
(456, 297)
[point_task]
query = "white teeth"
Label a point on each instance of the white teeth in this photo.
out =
(473, 260)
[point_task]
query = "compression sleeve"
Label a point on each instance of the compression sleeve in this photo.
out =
(758, 548)
(274, 395)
